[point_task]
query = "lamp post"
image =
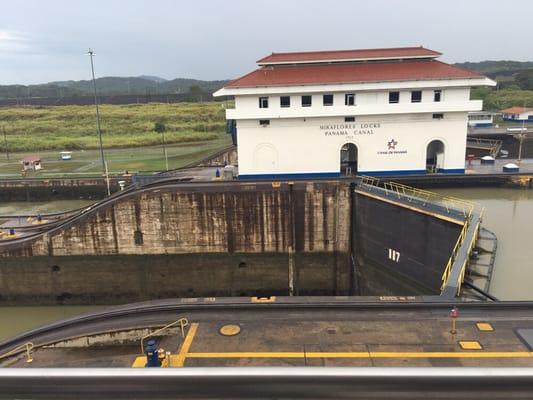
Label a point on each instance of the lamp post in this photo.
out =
(5, 142)
(99, 131)
(521, 137)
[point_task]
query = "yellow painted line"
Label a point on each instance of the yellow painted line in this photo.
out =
(139, 362)
(363, 354)
(249, 354)
(186, 345)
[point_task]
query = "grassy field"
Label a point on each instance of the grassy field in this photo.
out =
(193, 131)
(496, 100)
(136, 159)
(37, 129)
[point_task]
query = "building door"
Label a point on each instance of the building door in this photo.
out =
(435, 156)
(265, 159)
(349, 159)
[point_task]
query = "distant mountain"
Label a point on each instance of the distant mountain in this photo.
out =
(153, 78)
(508, 74)
(494, 68)
(111, 86)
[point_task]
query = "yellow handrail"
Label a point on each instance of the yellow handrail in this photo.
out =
(411, 193)
(183, 322)
(26, 346)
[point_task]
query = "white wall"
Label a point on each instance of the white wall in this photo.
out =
(366, 103)
(301, 146)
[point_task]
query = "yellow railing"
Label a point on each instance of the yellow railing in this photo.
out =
(28, 347)
(410, 193)
(182, 322)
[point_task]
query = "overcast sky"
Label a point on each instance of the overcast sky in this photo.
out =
(42, 41)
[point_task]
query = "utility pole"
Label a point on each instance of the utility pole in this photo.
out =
(99, 131)
(5, 143)
(521, 137)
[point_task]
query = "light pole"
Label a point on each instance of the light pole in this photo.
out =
(521, 137)
(5, 143)
(99, 131)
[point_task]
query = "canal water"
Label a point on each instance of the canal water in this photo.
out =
(36, 207)
(508, 213)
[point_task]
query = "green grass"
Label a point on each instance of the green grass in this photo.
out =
(136, 159)
(37, 129)
(194, 130)
(496, 100)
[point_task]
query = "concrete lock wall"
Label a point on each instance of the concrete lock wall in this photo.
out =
(236, 240)
(232, 240)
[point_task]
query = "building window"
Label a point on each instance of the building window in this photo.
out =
(394, 97)
(328, 99)
(285, 101)
(263, 102)
(306, 101)
(438, 116)
(349, 99)
(416, 96)
(437, 95)
(264, 122)
(349, 119)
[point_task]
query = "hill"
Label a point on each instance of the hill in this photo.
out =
(141, 85)
(508, 74)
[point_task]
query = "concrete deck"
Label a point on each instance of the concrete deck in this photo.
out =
(390, 334)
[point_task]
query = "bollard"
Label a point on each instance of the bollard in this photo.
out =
(454, 313)
(152, 355)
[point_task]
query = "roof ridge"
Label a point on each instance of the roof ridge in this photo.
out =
(343, 51)
(349, 50)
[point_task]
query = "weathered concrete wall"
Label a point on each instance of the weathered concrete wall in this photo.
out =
(203, 241)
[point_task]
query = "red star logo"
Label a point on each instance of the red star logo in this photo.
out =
(392, 144)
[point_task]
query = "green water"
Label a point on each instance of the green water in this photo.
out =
(508, 213)
(19, 319)
(35, 207)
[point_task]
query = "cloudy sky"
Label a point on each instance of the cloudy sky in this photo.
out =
(42, 41)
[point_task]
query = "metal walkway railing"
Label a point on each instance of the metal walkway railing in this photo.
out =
(493, 146)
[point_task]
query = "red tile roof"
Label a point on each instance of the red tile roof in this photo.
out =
(516, 110)
(351, 73)
(361, 54)
(31, 158)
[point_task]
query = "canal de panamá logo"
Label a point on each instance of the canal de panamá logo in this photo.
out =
(392, 144)
(392, 148)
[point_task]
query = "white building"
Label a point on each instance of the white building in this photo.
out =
(375, 112)
(518, 114)
(480, 119)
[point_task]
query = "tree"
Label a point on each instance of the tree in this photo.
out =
(160, 127)
(196, 92)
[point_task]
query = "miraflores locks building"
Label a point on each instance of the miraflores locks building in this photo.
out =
(372, 112)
